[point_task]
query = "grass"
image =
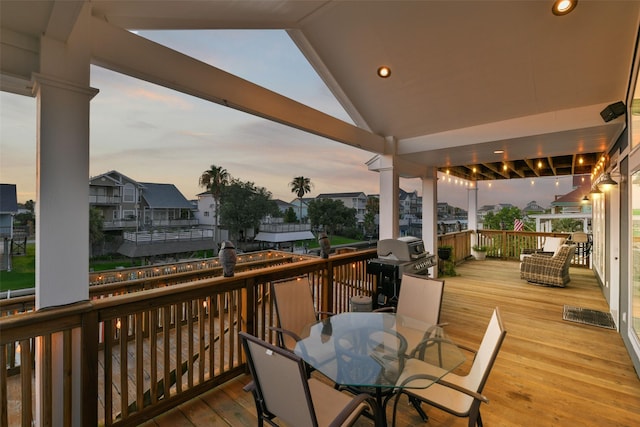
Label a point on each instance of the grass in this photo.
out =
(23, 271)
(335, 241)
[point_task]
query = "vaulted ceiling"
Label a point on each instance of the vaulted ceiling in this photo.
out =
(483, 89)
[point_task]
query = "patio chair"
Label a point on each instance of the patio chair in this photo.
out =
(294, 309)
(455, 394)
(296, 313)
(421, 299)
(282, 391)
(548, 271)
(583, 241)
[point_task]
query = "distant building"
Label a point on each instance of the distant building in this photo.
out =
(301, 207)
(533, 208)
(573, 202)
(8, 209)
(126, 204)
(574, 205)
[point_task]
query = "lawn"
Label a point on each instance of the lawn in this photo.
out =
(23, 272)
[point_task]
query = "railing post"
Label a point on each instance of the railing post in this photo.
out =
(89, 368)
(327, 288)
(504, 244)
(249, 304)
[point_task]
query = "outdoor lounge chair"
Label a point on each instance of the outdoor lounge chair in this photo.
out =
(548, 271)
(456, 394)
(282, 391)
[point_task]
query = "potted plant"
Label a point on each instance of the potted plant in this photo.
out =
(479, 252)
(444, 252)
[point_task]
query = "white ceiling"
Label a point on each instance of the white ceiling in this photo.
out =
(468, 77)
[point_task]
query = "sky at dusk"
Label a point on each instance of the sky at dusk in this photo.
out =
(153, 134)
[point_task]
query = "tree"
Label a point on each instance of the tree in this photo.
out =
(243, 205)
(566, 225)
(301, 186)
(331, 215)
(503, 220)
(215, 179)
(96, 223)
(290, 216)
(372, 209)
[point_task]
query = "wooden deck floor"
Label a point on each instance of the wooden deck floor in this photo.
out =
(549, 372)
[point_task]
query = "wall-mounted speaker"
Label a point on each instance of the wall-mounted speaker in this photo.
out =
(613, 110)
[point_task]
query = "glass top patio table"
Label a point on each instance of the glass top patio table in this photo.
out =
(360, 349)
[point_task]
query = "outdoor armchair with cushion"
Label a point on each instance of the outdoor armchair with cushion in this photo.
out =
(548, 271)
(550, 247)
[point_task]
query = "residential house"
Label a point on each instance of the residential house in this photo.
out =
(576, 205)
(533, 208)
(8, 209)
(301, 207)
(127, 204)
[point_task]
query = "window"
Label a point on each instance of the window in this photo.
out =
(129, 193)
(635, 253)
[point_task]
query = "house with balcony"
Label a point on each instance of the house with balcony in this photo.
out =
(515, 91)
(576, 205)
(126, 204)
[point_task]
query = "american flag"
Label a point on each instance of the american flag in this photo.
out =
(518, 225)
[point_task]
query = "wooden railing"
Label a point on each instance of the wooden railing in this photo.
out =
(138, 354)
(508, 244)
(461, 243)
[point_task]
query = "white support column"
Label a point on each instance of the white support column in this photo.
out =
(389, 214)
(62, 200)
(389, 201)
(430, 215)
(472, 209)
(62, 191)
(62, 210)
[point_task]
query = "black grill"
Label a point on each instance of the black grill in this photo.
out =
(388, 269)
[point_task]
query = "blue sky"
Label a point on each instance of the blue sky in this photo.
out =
(153, 134)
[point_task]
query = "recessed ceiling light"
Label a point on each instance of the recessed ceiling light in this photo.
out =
(498, 151)
(562, 7)
(384, 72)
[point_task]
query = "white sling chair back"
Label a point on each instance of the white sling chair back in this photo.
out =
(458, 395)
(283, 392)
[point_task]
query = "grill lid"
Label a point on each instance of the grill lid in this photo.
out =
(401, 249)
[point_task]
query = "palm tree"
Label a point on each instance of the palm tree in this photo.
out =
(301, 186)
(214, 180)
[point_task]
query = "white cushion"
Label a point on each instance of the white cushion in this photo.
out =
(552, 244)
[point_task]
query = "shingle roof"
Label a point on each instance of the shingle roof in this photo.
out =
(164, 196)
